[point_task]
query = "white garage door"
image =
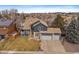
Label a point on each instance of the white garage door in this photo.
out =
(56, 37)
(46, 37)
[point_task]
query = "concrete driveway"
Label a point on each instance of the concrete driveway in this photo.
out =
(52, 46)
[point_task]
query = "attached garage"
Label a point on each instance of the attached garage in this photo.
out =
(56, 37)
(46, 36)
(50, 34)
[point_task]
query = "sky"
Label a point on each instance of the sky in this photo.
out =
(41, 8)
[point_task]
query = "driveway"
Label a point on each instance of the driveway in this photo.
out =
(52, 46)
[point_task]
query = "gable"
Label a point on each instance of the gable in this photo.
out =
(38, 24)
(39, 27)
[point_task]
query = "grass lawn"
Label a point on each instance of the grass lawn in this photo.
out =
(19, 44)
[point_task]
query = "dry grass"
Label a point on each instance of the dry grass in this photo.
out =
(20, 44)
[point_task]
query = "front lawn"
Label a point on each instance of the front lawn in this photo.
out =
(19, 44)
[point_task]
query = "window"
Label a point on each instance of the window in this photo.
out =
(24, 33)
(2, 37)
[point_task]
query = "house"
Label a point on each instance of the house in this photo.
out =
(50, 34)
(7, 27)
(38, 29)
(32, 25)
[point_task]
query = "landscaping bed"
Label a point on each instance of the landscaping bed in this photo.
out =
(20, 44)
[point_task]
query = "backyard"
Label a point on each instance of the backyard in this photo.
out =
(19, 44)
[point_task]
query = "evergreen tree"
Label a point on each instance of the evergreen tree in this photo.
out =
(72, 32)
(58, 22)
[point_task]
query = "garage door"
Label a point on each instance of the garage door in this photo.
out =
(46, 37)
(56, 37)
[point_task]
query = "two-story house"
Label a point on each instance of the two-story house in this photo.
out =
(38, 29)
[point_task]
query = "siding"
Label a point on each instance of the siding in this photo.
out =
(39, 27)
(7, 30)
(25, 32)
(3, 31)
(11, 28)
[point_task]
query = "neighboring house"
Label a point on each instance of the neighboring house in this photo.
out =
(7, 27)
(39, 29)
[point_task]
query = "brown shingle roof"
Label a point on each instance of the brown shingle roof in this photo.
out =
(52, 30)
(30, 20)
(44, 23)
